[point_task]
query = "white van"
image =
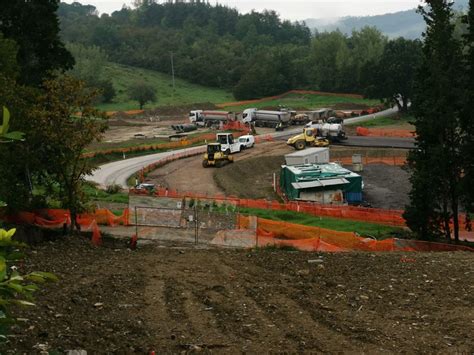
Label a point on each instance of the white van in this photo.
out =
(247, 141)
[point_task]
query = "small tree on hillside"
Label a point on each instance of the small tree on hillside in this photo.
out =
(142, 92)
(68, 123)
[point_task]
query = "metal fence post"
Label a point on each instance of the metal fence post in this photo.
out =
(136, 223)
(196, 226)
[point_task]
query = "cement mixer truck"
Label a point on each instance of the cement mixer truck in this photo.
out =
(332, 129)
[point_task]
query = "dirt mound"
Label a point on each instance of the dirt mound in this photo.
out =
(181, 300)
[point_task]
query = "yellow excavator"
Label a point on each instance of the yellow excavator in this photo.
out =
(309, 138)
(215, 156)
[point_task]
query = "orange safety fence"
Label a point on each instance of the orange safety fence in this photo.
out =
(387, 217)
(282, 234)
(301, 92)
(57, 218)
(384, 132)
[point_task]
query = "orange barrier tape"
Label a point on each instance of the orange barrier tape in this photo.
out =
(57, 218)
(319, 239)
(302, 92)
(384, 132)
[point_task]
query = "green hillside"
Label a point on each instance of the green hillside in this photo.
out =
(185, 93)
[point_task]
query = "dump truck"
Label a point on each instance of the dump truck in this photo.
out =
(309, 138)
(209, 118)
(262, 118)
(215, 156)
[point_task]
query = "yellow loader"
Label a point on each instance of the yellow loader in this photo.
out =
(215, 156)
(309, 138)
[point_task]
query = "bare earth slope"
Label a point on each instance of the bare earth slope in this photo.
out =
(173, 300)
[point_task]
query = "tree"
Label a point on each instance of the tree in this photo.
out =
(68, 124)
(467, 121)
(436, 162)
(142, 92)
(393, 78)
(34, 26)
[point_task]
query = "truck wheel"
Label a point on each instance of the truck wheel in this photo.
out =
(204, 164)
(300, 145)
(227, 151)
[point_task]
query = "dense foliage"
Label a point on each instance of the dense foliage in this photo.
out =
(440, 163)
(34, 26)
(255, 54)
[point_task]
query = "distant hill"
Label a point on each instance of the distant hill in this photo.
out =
(408, 24)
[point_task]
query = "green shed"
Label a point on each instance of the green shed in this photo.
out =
(326, 183)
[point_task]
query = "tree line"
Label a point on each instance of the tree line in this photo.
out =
(254, 55)
(52, 112)
(442, 164)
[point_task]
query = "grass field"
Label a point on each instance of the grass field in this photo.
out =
(306, 102)
(185, 93)
(342, 225)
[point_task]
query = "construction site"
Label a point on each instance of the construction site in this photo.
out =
(235, 240)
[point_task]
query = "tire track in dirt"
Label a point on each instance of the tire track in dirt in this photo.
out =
(302, 329)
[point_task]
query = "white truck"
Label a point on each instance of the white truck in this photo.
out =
(228, 144)
(262, 118)
(209, 118)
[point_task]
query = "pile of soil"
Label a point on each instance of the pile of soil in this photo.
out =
(178, 300)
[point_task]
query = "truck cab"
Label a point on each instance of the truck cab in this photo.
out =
(248, 115)
(196, 117)
(228, 144)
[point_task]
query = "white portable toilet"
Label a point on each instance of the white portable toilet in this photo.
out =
(308, 156)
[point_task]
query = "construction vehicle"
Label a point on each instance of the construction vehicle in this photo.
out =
(229, 144)
(209, 118)
(261, 118)
(309, 138)
(215, 156)
(332, 129)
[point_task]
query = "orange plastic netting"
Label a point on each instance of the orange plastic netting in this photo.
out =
(384, 132)
(57, 218)
(319, 239)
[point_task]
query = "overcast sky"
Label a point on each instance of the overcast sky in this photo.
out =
(291, 9)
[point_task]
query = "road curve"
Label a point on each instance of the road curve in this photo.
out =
(118, 172)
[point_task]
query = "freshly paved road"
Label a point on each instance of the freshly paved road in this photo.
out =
(118, 172)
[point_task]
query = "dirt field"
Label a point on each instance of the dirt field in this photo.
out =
(385, 186)
(189, 175)
(251, 175)
(113, 300)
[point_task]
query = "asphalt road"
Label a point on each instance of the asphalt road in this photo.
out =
(118, 172)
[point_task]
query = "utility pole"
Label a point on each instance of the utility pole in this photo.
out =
(172, 70)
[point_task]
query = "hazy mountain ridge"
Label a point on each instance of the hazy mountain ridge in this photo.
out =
(408, 23)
